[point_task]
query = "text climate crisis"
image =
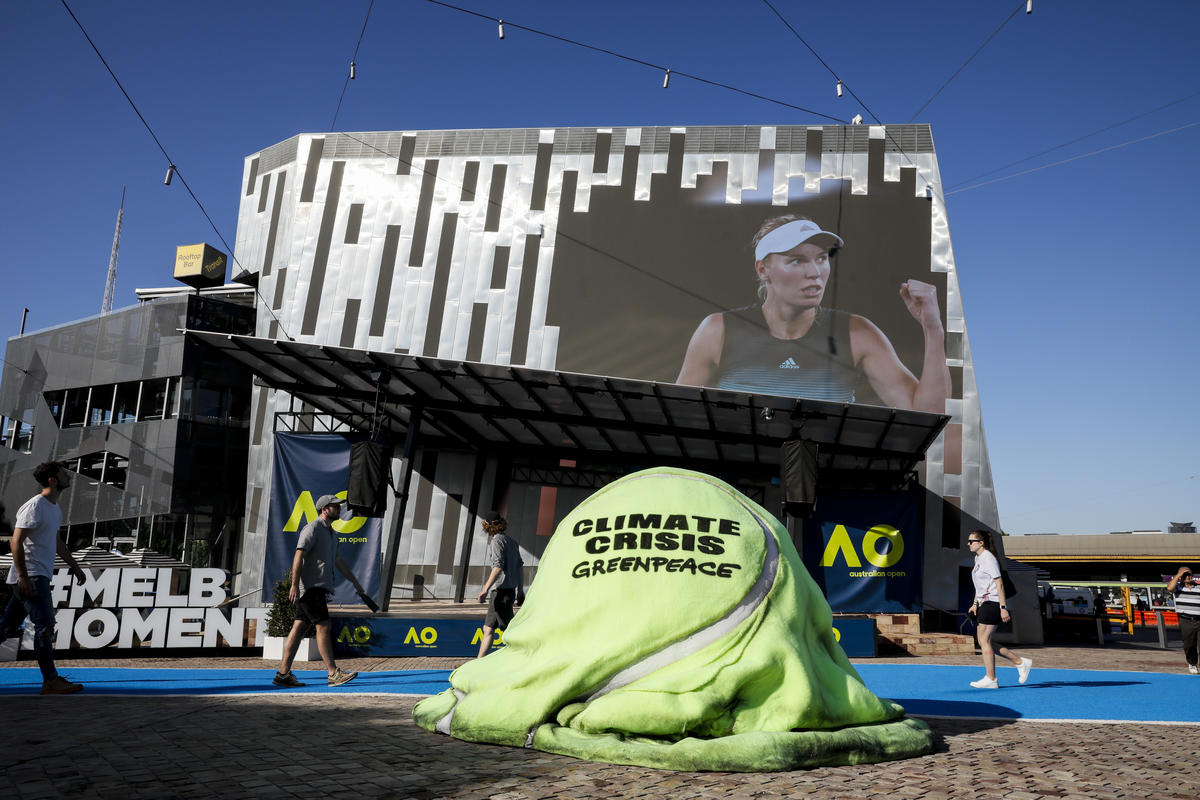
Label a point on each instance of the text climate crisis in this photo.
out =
(655, 533)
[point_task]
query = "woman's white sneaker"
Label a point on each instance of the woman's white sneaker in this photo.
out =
(1023, 669)
(986, 683)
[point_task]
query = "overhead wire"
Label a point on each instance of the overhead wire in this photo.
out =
(817, 55)
(978, 50)
(843, 85)
(353, 61)
(1074, 158)
(173, 166)
(1125, 491)
(1076, 140)
(633, 60)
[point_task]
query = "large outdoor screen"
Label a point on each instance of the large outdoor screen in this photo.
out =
(829, 296)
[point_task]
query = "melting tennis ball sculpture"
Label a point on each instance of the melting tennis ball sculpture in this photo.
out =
(673, 625)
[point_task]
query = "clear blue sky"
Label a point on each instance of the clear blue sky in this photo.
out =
(1079, 280)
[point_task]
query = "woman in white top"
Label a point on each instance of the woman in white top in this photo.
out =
(990, 609)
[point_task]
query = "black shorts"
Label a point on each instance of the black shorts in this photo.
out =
(313, 606)
(500, 609)
(988, 613)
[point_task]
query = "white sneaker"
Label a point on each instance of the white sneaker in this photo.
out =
(986, 683)
(1023, 669)
(1192, 668)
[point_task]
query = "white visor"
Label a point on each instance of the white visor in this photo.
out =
(790, 234)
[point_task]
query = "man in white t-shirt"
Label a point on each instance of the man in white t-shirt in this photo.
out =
(35, 541)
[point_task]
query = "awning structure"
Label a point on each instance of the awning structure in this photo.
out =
(529, 412)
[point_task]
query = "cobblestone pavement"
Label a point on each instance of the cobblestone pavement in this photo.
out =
(307, 746)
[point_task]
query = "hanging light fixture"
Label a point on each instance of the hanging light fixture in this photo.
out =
(352, 66)
(839, 88)
(666, 78)
(501, 28)
(1028, 6)
(170, 174)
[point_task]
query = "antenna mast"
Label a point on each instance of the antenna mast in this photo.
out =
(110, 285)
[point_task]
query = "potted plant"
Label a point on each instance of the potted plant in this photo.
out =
(280, 618)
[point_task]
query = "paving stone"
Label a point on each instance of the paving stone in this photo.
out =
(301, 746)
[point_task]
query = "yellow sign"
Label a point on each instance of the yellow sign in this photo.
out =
(200, 265)
(305, 511)
(840, 544)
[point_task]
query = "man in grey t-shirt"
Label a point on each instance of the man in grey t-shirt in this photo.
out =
(312, 583)
(504, 556)
(35, 541)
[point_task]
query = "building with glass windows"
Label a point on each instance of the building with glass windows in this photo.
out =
(155, 426)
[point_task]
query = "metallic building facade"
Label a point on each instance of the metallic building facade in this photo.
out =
(153, 425)
(442, 243)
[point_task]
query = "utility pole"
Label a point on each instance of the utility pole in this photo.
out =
(110, 285)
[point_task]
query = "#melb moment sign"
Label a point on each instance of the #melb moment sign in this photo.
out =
(133, 607)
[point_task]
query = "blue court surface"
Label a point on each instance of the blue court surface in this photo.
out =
(923, 689)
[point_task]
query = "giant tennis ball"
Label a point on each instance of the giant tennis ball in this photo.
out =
(672, 625)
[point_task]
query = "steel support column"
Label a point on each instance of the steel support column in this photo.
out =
(469, 535)
(391, 547)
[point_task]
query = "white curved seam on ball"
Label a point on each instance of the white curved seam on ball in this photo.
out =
(443, 724)
(705, 636)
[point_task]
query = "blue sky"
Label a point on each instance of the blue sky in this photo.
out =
(1079, 280)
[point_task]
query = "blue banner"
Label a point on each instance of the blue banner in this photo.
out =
(308, 465)
(411, 636)
(866, 551)
(856, 636)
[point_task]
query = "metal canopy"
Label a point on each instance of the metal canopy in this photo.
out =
(567, 415)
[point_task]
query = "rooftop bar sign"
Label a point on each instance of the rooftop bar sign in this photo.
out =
(135, 607)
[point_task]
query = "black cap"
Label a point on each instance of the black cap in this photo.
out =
(492, 516)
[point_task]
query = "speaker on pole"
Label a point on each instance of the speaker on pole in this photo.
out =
(370, 464)
(799, 461)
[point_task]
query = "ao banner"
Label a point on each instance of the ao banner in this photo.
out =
(307, 466)
(866, 551)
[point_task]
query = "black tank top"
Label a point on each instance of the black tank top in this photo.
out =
(752, 360)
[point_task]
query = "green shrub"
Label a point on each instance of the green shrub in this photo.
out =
(283, 611)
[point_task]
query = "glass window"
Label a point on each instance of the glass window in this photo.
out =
(75, 408)
(125, 402)
(209, 403)
(154, 399)
(116, 469)
(55, 401)
(22, 438)
(239, 406)
(92, 466)
(101, 410)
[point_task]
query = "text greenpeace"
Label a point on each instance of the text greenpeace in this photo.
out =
(128, 607)
(655, 543)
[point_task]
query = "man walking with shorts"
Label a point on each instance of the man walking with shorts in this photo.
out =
(35, 541)
(312, 583)
(504, 555)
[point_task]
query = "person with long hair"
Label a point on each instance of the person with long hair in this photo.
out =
(790, 344)
(990, 608)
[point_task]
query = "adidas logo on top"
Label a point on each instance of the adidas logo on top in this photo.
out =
(790, 363)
